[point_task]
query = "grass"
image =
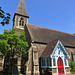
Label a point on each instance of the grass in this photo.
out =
(21, 74)
(73, 73)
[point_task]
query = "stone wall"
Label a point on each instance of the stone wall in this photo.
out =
(29, 67)
(33, 64)
(73, 57)
(17, 19)
(71, 52)
(37, 51)
(39, 48)
(19, 64)
(1, 62)
(68, 71)
(18, 31)
(54, 71)
(46, 71)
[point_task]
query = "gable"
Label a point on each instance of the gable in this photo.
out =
(55, 48)
(44, 35)
(60, 50)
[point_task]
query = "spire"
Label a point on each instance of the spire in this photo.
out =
(21, 10)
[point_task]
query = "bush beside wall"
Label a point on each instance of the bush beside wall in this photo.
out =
(72, 66)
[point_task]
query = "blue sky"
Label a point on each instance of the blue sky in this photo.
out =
(53, 14)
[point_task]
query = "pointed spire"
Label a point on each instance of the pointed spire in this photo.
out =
(21, 10)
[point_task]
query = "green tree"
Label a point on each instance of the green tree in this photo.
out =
(12, 44)
(5, 17)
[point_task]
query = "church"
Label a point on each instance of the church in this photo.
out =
(50, 51)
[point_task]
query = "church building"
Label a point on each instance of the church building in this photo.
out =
(50, 51)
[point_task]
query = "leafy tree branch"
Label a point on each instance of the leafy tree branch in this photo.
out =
(5, 17)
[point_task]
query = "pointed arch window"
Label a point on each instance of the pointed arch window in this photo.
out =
(54, 61)
(21, 22)
(65, 61)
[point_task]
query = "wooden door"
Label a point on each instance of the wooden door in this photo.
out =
(60, 67)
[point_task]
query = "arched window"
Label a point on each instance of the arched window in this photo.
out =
(65, 61)
(54, 61)
(21, 22)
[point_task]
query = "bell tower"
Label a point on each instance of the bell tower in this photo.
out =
(21, 16)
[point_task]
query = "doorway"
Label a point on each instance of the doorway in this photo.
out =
(60, 66)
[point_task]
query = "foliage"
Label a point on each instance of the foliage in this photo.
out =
(5, 17)
(12, 44)
(21, 74)
(72, 65)
(73, 73)
(3, 46)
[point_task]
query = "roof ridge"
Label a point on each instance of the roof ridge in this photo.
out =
(53, 30)
(53, 41)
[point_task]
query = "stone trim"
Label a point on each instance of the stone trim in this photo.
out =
(1, 62)
(19, 64)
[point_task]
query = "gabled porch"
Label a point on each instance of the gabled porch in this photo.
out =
(54, 59)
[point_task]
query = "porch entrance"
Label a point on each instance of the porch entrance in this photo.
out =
(60, 67)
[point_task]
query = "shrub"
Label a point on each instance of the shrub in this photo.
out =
(72, 66)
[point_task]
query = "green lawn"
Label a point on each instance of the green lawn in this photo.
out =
(21, 74)
(73, 73)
